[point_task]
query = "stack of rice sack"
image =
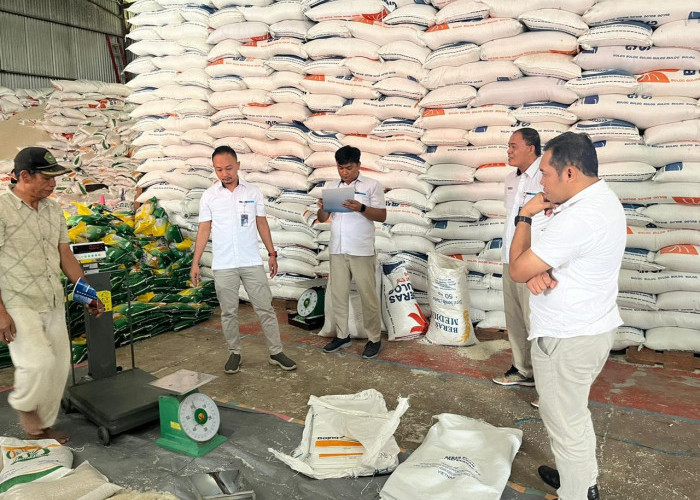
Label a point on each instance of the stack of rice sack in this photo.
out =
(91, 131)
(14, 101)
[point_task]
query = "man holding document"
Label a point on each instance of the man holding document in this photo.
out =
(352, 247)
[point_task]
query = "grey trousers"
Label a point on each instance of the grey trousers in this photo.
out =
(227, 283)
(344, 269)
(516, 298)
(564, 372)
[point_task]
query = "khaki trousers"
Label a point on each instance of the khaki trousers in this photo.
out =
(227, 283)
(41, 355)
(564, 372)
(516, 298)
(344, 269)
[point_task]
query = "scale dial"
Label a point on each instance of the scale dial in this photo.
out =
(307, 302)
(199, 417)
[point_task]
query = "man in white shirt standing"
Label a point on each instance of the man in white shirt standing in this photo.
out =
(572, 272)
(352, 252)
(233, 213)
(520, 187)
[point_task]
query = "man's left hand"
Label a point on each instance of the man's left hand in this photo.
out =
(272, 265)
(353, 205)
(97, 310)
(537, 204)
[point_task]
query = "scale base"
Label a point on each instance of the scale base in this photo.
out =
(308, 323)
(189, 447)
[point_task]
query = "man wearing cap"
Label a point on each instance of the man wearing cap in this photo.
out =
(34, 249)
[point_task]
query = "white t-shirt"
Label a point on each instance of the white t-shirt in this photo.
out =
(351, 232)
(234, 232)
(583, 242)
(519, 189)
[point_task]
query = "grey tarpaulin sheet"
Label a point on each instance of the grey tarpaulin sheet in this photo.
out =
(134, 461)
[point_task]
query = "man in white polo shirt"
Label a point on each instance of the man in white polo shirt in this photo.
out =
(572, 271)
(233, 213)
(352, 252)
(520, 186)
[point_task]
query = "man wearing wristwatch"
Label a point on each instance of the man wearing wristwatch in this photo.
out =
(572, 271)
(520, 186)
(233, 213)
(352, 252)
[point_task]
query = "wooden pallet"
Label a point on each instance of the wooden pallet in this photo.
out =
(676, 360)
(491, 334)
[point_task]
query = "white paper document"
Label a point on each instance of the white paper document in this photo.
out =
(334, 198)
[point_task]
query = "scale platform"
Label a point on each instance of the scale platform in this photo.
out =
(118, 403)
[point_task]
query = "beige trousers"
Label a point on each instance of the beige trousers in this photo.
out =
(227, 283)
(516, 298)
(564, 372)
(344, 269)
(41, 356)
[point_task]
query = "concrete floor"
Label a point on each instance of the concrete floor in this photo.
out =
(647, 418)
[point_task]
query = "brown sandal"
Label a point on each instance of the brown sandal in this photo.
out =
(49, 433)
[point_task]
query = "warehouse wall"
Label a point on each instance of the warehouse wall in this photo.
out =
(68, 39)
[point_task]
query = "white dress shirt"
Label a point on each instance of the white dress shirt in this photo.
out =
(234, 232)
(519, 189)
(583, 242)
(351, 232)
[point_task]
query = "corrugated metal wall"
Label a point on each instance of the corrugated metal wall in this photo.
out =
(44, 39)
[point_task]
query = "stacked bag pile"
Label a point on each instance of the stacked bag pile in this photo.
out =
(430, 93)
(14, 101)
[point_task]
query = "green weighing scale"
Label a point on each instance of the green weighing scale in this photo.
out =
(189, 419)
(310, 313)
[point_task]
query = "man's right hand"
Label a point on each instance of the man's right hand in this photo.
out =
(8, 332)
(540, 283)
(194, 274)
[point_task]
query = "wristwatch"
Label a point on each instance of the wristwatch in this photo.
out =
(522, 218)
(363, 208)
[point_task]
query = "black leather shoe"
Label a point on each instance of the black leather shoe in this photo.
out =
(549, 476)
(593, 493)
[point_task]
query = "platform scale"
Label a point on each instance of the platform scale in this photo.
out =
(114, 399)
(310, 309)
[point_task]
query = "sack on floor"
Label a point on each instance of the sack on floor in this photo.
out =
(402, 316)
(459, 458)
(347, 435)
(30, 461)
(450, 323)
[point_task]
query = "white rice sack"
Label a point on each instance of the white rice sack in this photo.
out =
(373, 71)
(537, 112)
(505, 8)
(157, 18)
(392, 127)
(625, 171)
(638, 59)
(409, 197)
(688, 130)
(671, 152)
(295, 212)
(288, 63)
(453, 54)
(679, 301)
(242, 32)
(265, 49)
(473, 156)
(548, 64)
(679, 34)
(679, 172)
(384, 146)
(343, 86)
(182, 92)
(406, 181)
(652, 13)
(656, 319)
(643, 111)
(500, 134)
(491, 208)
(626, 336)
(323, 142)
(222, 17)
(239, 128)
(465, 118)
(339, 47)
(492, 250)
(639, 259)
(485, 230)
(348, 11)
(290, 164)
(351, 124)
(461, 10)
(181, 62)
(328, 29)
(401, 314)
(478, 32)
(620, 151)
(672, 216)
(323, 174)
(493, 319)
(456, 210)
(290, 238)
(400, 87)
(159, 137)
(295, 132)
(683, 258)
(383, 108)
(444, 136)
(382, 34)
(323, 103)
(476, 74)
(400, 213)
(415, 14)
(602, 129)
(252, 161)
(468, 192)
(672, 339)
(658, 281)
(649, 192)
(604, 82)
(235, 98)
(657, 238)
(637, 300)
(140, 65)
(522, 90)
(237, 66)
(290, 28)
(400, 161)
(450, 96)
(670, 82)
(493, 172)
(281, 179)
(448, 173)
(449, 302)
(404, 51)
(511, 48)
(621, 33)
(277, 148)
(163, 192)
(188, 179)
(279, 112)
(274, 13)
(226, 82)
(156, 79)
(420, 233)
(554, 20)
